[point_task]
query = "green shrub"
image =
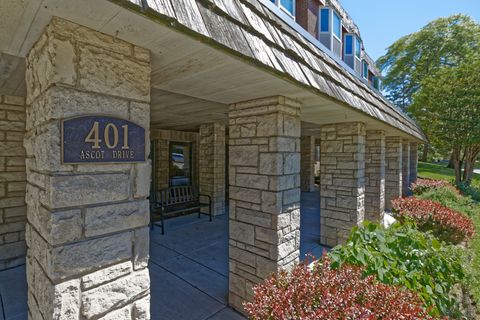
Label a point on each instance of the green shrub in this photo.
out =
(449, 197)
(402, 255)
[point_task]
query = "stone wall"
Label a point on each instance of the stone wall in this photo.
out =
(375, 176)
(264, 174)
(393, 169)
(405, 168)
(413, 161)
(87, 231)
(163, 139)
(342, 180)
(211, 165)
(307, 164)
(13, 212)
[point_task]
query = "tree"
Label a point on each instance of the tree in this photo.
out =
(451, 99)
(414, 59)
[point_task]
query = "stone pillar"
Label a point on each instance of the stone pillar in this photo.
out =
(264, 174)
(393, 170)
(87, 233)
(212, 165)
(342, 180)
(375, 176)
(413, 161)
(405, 168)
(307, 164)
(13, 212)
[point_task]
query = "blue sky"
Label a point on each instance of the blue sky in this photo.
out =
(381, 22)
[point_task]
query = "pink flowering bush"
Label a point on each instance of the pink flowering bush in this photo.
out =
(423, 185)
(446, 224)
(331, 294)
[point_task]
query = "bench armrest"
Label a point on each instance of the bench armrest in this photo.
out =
(207, 196)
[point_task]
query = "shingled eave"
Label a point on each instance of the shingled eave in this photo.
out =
(250, 29)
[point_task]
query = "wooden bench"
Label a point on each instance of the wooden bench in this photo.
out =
(177, 200)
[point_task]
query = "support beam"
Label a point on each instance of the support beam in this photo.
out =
(413, 161)
(375, 176)
(393, 170)
(87, 232)
(264, 174)
(342, 180)
(307, 164)
(212, 165)
(405, 168)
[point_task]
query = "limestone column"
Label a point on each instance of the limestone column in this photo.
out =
(405, 168)
(264, 174)
(393, 170)
(307, 164)
(342, 180)
(413, 161)
(375, 176)
(87, 232)
(212, 165)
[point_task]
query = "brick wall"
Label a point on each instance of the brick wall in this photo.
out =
(12, 182)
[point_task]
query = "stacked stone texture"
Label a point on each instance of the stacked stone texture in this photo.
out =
(307, 164)
(393, 169)
(413, 161)
(342, 180)
(405, 168)
(13, 212)
(87, 233)
(264, 174)
(375, 176)
(212, 165)
(163, 139)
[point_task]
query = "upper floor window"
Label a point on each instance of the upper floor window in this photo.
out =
(358, 47)
(337, 25)
(286, 5)
(348, 44)
(324, 20)
(365, 69)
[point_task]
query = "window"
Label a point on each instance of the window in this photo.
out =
(365, 69)
(180, 164)
(324, 20)
(358, 47)
(337, 25)
(288, 5)
(349, 44)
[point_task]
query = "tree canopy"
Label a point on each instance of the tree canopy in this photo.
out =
(434, 74)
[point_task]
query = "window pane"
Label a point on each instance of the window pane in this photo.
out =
(337, 25)
(324, 20)
(348, 44)
(358, 47)
(180, 164)
(365, 69)
(288, 5)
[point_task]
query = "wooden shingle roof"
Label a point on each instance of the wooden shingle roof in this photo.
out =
(251, 29)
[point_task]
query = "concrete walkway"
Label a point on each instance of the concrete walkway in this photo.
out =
(188, 268)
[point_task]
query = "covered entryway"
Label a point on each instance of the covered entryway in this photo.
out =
(235, 72)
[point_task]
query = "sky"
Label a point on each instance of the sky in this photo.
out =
(381, 22)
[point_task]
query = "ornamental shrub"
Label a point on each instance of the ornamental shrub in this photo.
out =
(446, 224)
(403, 255)
(422, 185)
(319, 292)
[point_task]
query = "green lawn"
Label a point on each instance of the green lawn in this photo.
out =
(439, 171)
(435, 171)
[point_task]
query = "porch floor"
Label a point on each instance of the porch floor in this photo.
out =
(188, 268)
